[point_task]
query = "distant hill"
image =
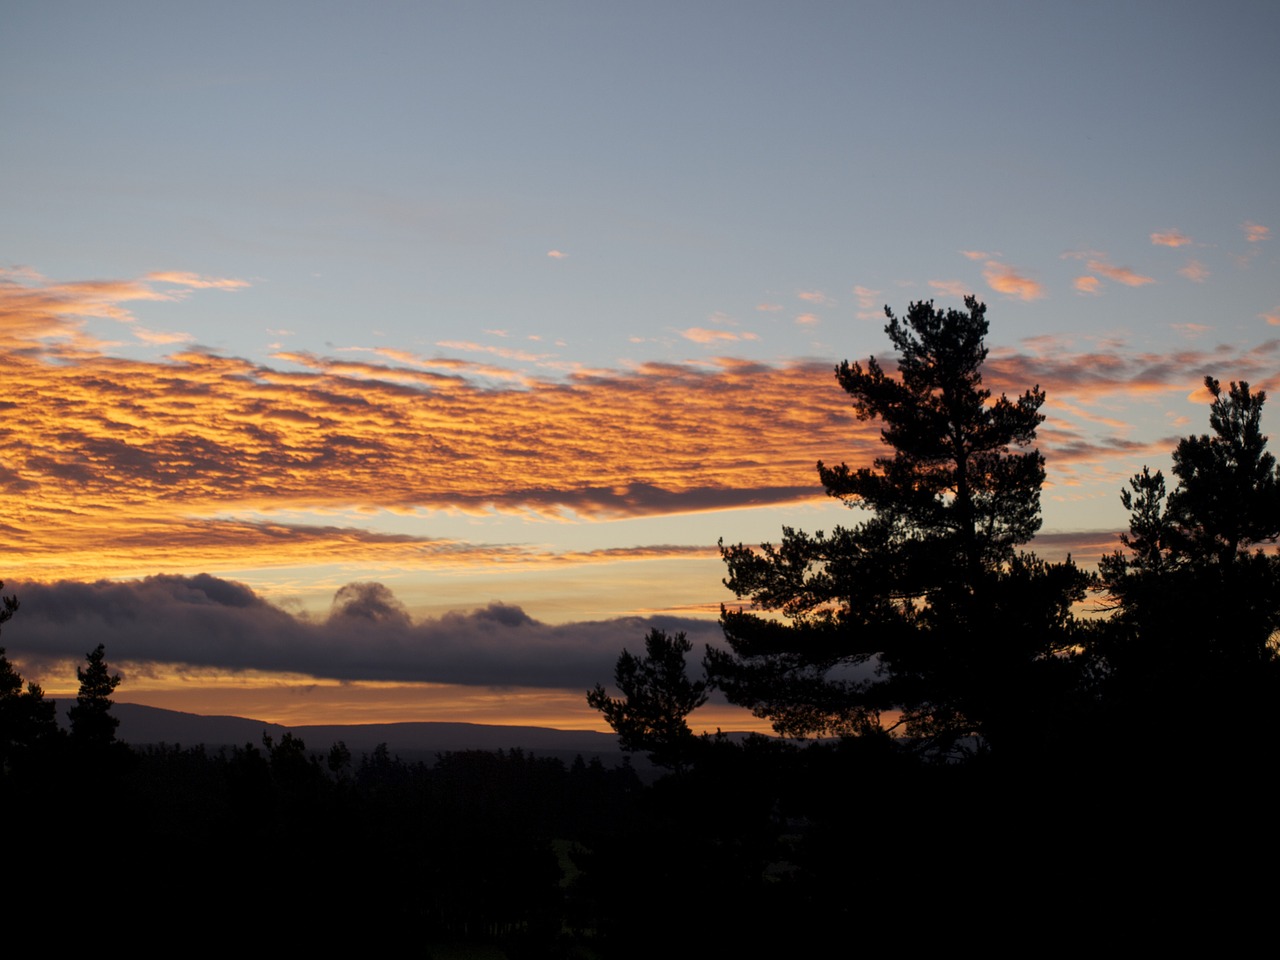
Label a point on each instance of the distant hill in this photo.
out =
(141, 726)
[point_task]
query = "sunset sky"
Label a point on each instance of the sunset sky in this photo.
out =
(405, 361)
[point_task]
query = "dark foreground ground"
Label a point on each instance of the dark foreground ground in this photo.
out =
(760, 848)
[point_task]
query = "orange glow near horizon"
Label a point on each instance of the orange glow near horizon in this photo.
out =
(293, 700)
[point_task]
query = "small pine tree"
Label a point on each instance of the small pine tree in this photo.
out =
(92, 724)
(657, 696)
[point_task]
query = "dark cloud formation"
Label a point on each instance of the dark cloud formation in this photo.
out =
(204, 621)
(369, 603)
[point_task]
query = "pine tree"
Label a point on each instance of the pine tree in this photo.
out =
(92, 724)
(1228, 496)
(924, 617)
(953, 480)
(27, 719)
(657, 697)
(1196, 597)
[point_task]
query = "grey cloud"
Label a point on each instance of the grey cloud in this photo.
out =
(204, 621)
(369, 602)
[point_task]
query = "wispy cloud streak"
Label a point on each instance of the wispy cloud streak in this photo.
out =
(706, 335)
(1124, 275)
(37, 313)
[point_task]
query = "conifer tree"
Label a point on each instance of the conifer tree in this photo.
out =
(27, 719)
(924, 617)
(1196, 599)
(92, 724)
(657, 696)
(1228, 496)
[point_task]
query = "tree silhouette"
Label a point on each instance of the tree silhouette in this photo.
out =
(92, 724)
(1196, 595)
(1228, 495)
(657, 697)
(27, 719)
(952, 480)
(918, 615)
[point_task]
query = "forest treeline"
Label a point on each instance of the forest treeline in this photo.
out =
(992, 736)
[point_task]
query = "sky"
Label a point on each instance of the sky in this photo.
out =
(406, 361)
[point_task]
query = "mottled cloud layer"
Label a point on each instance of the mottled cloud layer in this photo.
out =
(104, 456)
(204, 621)
(116, 467)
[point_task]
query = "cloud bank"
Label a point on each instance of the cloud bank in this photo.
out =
(204, 621)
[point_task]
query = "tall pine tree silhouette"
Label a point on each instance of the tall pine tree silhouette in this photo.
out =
(924, 617)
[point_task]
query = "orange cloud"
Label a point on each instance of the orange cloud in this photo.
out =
(815, 296)
(120, 465)
(1111, 373)
(952, 288)
(195, 281)
(556, 254)
(161, 338)
(769, 307)
(868, 309)
(1173, 238)
(32, 316)
(1005, 279)
(974, 254)
(703, 335)
(1119, 274)
(34, 311)
(1086, 284)
(1195, 271)
(1272, 318)
(1255, 232)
